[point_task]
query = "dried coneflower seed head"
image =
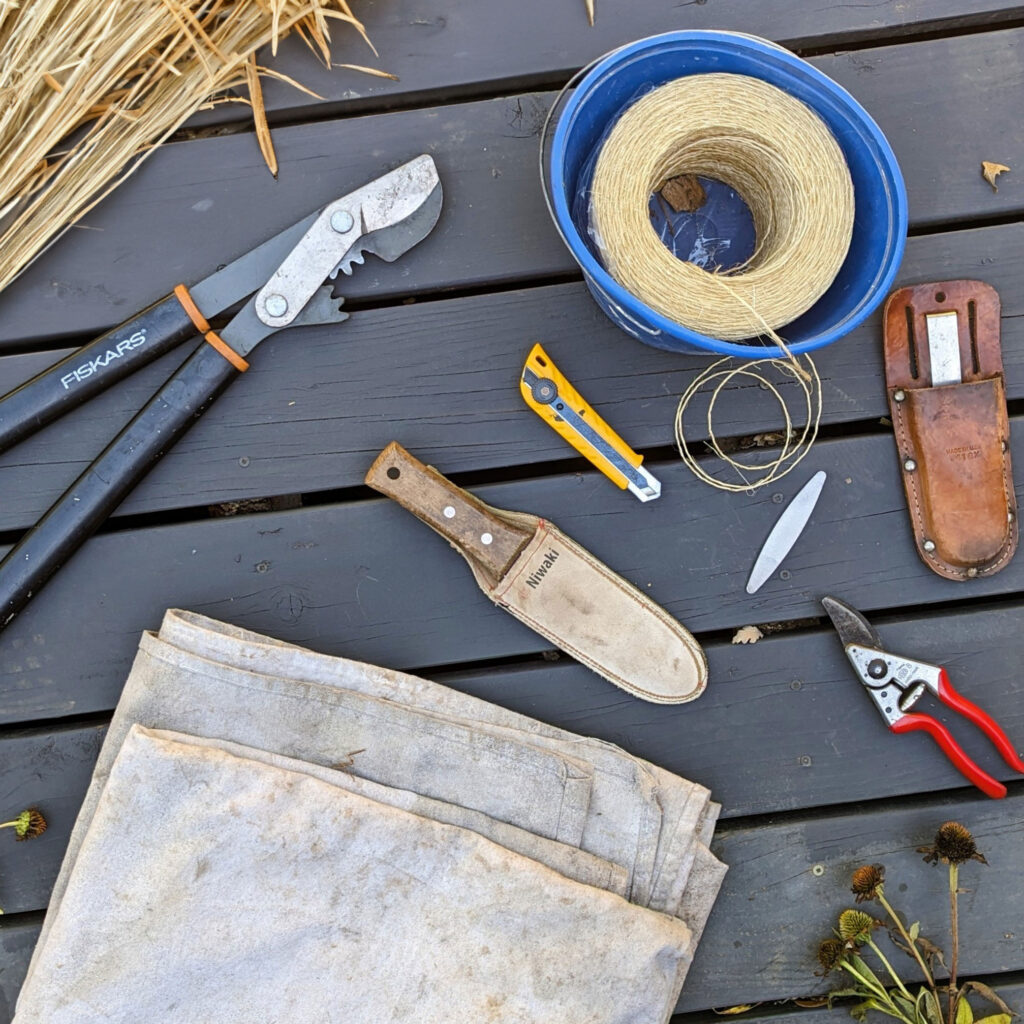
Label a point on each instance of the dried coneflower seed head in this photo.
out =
(855, 926)
(830, 954)
(866, 882)
(30, 824)
(954, 844)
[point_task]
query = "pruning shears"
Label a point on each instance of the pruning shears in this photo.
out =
(284, 279)
(896, 683)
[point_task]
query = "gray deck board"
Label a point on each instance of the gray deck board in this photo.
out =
(368, 580)
(761, 941)
(807, 773)
(190, 207)
(308, 416)
(773, 909)
(746, 738)
(492, 42)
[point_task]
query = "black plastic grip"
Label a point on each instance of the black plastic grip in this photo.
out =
(103, 486)
(92, 368)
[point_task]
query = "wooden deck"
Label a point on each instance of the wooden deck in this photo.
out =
(812, 784)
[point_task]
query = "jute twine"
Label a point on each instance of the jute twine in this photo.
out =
(783, 160)
(775, 152)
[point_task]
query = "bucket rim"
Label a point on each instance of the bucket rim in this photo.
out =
(669, 330)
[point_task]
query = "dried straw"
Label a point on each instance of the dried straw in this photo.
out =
(88, 88)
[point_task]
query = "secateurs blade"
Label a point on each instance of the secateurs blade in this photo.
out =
(896, 683)
(561, 406)
(287, 273)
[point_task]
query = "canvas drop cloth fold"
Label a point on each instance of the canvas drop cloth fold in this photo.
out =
(274, 831)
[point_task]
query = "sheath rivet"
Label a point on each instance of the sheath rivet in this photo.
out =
(341, 221)
(910, 465)
(929, 545)
(1002, 446)
(486, 538)
(899, 396)
(276, 305)
(449, 512)
(972, 572)
(1009, 516)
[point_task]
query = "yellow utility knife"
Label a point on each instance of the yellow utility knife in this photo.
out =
(562, 407)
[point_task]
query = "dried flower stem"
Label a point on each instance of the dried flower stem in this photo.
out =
(954, 953)
(910, 942)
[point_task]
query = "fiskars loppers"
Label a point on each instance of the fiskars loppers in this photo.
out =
(284, 279)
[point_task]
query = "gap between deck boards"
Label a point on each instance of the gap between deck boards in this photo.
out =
(189, 207)
(318, 404)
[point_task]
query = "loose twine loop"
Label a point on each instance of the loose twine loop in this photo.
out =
(783, 160)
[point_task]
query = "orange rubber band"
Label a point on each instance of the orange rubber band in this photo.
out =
(226, 351)
(181, 293)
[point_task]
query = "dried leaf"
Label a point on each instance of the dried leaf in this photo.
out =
(762, 440)
(259, 114)
(915, 930)
(684, 193)
(812, 1004)
(368, 71)
(987, 993)
(731, 1011)
(930, 949)
(590, 10)
(747, 635)
(990, 171)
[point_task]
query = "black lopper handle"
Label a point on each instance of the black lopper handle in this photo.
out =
(92, 368)
(104, 485)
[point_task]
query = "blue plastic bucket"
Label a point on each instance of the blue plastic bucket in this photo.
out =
(880, 222)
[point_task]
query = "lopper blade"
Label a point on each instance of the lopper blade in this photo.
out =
(387, 216)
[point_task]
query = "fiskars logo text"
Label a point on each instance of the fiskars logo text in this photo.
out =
(90, 366)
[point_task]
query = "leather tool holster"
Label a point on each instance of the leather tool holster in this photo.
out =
(953, 439)
(558, 589)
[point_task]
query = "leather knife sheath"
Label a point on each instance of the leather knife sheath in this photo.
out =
(944, 376)
(527, 566)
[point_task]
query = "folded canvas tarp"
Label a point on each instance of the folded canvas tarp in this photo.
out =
(366, 845)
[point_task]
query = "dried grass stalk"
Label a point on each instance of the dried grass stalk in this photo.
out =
(88, 88)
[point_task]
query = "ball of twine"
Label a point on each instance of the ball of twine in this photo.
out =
(775, 152)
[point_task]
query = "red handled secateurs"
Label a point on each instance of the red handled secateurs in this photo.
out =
(897, 683)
